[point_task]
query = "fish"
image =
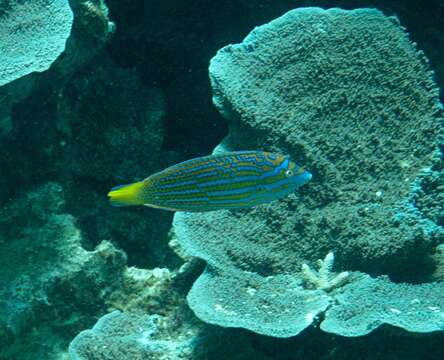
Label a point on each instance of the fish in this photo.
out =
(233, 180)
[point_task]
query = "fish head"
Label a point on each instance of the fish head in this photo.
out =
(295, 173)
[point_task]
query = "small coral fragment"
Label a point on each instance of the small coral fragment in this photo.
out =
(324, 278)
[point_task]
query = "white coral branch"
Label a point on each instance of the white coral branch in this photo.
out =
(324, 279)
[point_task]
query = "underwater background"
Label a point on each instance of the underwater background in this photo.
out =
(98, 93)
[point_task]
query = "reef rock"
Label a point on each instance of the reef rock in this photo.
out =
(348, 95)
(48, 282)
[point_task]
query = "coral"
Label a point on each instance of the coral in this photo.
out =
(281, 306)
(145, 290)
(48, 281)
(32, 35)
(276, 306)
(313, 83)
(91, 30)
(438, 274)
(367, 303)
(94, 16)
(94, 120)
(324, 279)
(111, 129)
(127, 117)
(152, 320)
(123, 335)
(56, 36)
(104, 129)
(340, 91)
(428, 193)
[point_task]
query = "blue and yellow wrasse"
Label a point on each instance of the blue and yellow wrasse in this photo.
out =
(227, 181)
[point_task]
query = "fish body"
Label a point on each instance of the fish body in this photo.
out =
(226, 181)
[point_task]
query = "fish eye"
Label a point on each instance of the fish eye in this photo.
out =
(289, 173)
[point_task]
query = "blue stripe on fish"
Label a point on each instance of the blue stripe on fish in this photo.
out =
(232, 192)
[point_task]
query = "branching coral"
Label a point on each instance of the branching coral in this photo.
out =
(324, 279)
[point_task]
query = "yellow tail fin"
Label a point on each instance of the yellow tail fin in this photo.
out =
(127, 195)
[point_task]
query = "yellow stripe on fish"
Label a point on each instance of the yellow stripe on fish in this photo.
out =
(227, 181)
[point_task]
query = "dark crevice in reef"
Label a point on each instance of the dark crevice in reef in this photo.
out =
(25, 158)
(170, 44)
(141, 232)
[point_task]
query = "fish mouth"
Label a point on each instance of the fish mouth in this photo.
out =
(304, 178)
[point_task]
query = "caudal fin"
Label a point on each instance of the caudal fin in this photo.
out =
(127, 195)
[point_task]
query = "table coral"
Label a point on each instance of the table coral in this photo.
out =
(367, 303)
(32, 35)
(121, 335)
(283, 306)
(340, 91)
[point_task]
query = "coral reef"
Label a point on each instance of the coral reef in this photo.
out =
(131, 336)
(365, 168)
(367, 303)
(152, 321)
(293, 85)
(32, 35)
(49, 283)
(111, 130)
(113, 109)
(438, 274)
(60, 35)
(150, 291)
(92, 126)
(171, 51)
(275, 305)
(115, 99)
(282, 306)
